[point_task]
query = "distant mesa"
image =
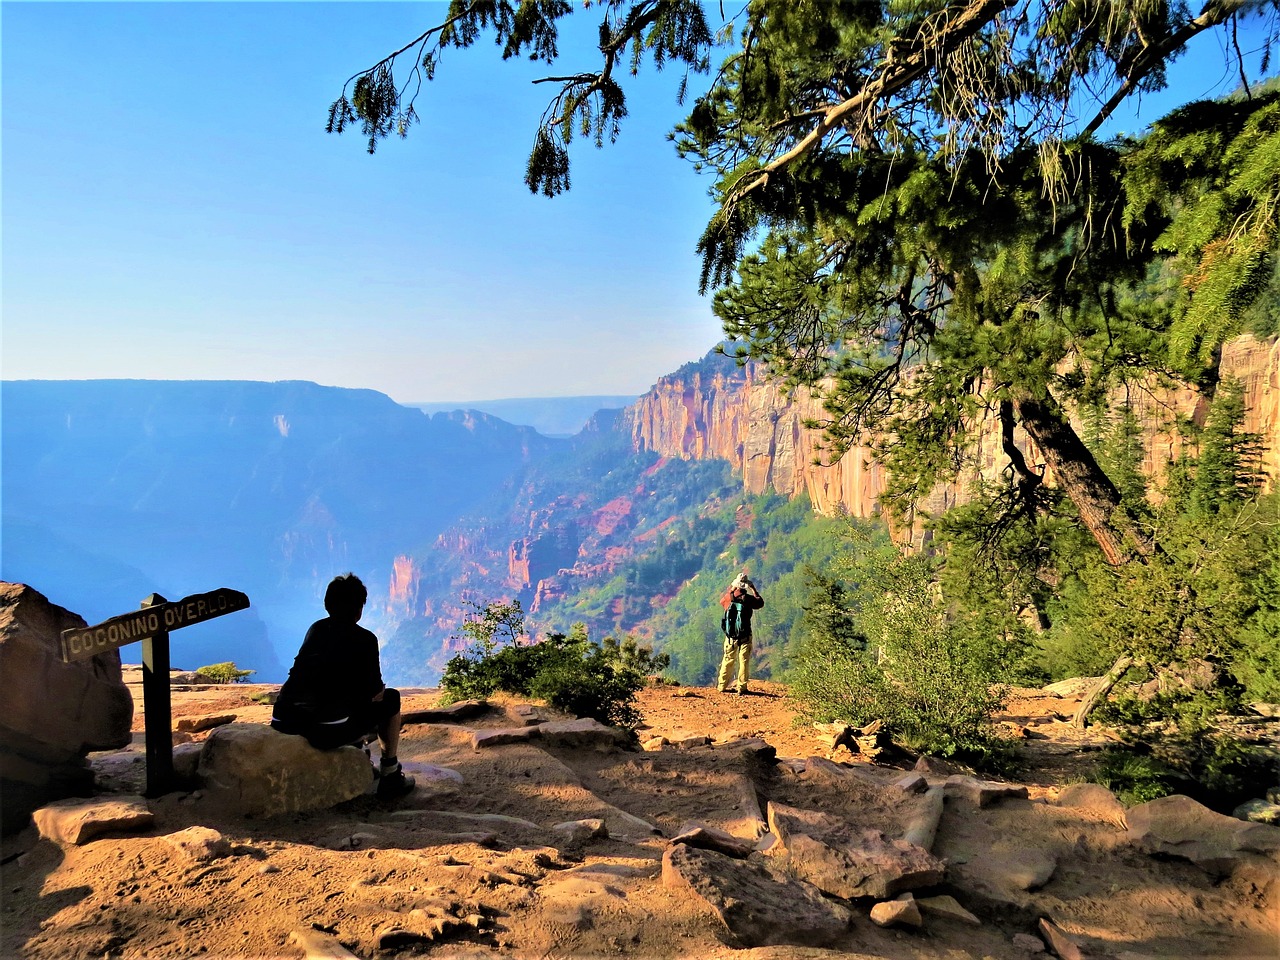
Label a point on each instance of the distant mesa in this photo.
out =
(550, 416)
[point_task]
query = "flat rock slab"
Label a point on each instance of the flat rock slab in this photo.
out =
(454, 713)
(584, 732)
(755, 906)
(1061, 944)
(983, 793)
(847, 862)
(77, 821)
(197, 724)
(556, 733)
(947, 908)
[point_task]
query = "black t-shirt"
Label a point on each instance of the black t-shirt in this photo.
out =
(336, 670)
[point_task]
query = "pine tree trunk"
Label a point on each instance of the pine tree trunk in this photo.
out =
(1077, 473)
(1099, 693)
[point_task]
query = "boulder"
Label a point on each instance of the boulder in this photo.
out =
(844, 861)
(255, 771)
(54, 712)
(1179, 826)
(1094, 799)
(758, 908)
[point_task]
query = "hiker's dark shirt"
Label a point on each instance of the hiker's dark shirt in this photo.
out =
(336, 671)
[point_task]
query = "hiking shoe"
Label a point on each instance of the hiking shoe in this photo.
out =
(393, 786)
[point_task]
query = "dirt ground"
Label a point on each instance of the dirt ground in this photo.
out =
(436, 875)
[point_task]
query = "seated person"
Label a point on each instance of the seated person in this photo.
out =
(334, 694)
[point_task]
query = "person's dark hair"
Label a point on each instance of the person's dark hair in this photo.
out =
(345, 596)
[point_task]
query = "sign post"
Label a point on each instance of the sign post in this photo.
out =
(151, 625)
(157, 707)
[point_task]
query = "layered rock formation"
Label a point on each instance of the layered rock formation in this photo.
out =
(54, 712)
(741, 417)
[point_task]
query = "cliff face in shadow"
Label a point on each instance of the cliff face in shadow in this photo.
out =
(715, 409)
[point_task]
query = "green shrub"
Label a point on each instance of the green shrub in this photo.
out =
(570, 672)
(223, 673)
(1134, 777)
(933, 686)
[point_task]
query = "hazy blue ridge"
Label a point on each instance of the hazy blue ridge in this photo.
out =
(114, 489)
(550, 416)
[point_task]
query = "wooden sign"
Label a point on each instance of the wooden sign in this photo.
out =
(84, 642)
(151, 626)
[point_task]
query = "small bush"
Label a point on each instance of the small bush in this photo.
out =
(1134, 777)
(935, 687)
(223, 673)
(570, 672)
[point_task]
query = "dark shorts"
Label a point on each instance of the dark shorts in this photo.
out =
(363, 720)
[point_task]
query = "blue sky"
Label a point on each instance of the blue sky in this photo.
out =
(173, 209)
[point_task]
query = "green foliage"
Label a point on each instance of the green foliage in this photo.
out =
(934, 685)
(1213, 767)
(1133, 777)
(1210, 172)
(223, 673)
(567, 671)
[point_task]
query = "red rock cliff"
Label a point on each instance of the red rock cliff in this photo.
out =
(748, 421)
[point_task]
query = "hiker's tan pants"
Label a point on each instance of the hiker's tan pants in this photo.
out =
(737, 659)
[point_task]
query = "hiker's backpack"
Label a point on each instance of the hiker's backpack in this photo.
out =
(734, 623)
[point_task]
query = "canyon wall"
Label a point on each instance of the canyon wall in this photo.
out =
(741, 417)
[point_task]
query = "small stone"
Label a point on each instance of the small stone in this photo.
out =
(654, 744)
(1028, 944)
(900, 912)
(199, 843)
(1059, 942)
(912, 783)
(1258, 811)
(582, 830)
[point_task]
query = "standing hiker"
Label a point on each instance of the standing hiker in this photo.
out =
(334, 694)
(739, 602)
